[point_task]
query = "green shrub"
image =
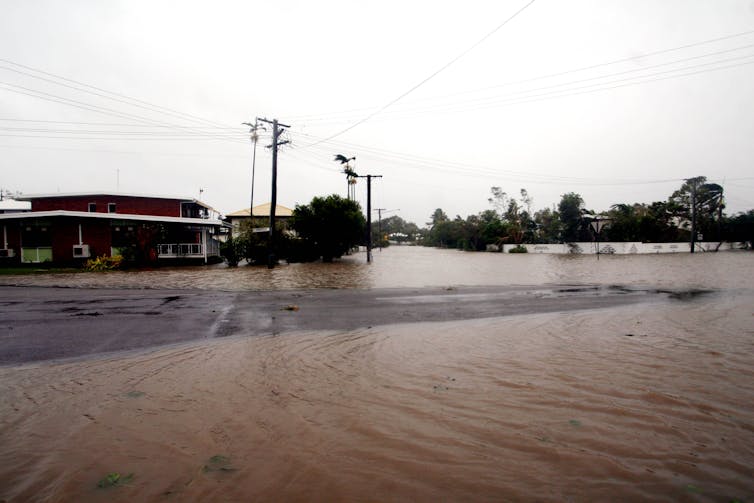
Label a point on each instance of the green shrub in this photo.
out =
(103, 263)
(518, 249)
(233, 250)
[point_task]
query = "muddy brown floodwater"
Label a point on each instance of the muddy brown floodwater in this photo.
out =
(650, 401)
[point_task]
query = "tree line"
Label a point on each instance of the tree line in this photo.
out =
(329, 227)
(697, 206)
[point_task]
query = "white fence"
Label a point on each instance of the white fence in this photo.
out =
(188, 250)
(621, 248)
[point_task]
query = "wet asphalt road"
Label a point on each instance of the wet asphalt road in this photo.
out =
(44, 323)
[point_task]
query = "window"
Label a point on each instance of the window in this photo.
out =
(111, 207)
(92, 207)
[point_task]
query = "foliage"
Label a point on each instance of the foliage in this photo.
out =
(699, 206)
(511, 220)
(547, 226)
(625, 222)
(103, 263)
(329, 226)
(516, 214)
(438, 217)
(570, 211)
(393, 228)
(518, 249)
(741, 228)
(233, 250)
(114, 479)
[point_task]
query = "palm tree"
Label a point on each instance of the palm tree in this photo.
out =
(351, 175)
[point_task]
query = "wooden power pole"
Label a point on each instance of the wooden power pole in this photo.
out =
(369, 214)
(276, 130)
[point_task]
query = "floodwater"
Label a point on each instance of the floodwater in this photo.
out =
(645, 402)
(413, 267)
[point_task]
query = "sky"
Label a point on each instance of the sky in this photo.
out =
(616, 100)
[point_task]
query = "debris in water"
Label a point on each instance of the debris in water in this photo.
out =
(290, 307)
(114, 479)
(218, 463)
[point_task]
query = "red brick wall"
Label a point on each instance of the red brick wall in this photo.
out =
(123, 204)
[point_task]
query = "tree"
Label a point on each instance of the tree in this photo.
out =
(741, 228)
(492, 228)
(700, 207)
(438, 216)
(547, 224)
(625, 222)
(440, 230)
(516, 214)
(329, 226)
(393, 228)
(570, 211)
(658, 224)
(499, 200)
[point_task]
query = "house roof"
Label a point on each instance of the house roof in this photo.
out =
(29, 197)
(263, 210)
(111, 216)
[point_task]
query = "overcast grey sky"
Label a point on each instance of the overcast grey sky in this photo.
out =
(617, 100)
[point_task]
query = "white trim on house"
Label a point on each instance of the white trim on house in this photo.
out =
(113, 216)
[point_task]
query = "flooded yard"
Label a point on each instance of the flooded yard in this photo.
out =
(415, 267)
(650, 401)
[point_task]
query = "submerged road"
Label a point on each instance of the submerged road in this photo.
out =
(44, 323)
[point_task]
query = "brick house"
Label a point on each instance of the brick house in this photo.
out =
(69, 228)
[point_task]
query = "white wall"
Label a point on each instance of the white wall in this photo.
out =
(621, 248)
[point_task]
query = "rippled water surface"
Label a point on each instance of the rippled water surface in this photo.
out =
(420, 267)
(645, 402)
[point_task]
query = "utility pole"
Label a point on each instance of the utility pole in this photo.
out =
(276, 130)
(379, 224)
(693, 182)
(379, 221)
(369, 213)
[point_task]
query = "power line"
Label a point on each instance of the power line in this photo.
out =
(97, 89)
(93, 108)
(613, 62)
(559, 74)
(113, 124)
(464, 169)
(434, 74)
(126, 152)
(603, 86)
(599, 77)
(190, 134)
(110, 138)
(555, 90)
